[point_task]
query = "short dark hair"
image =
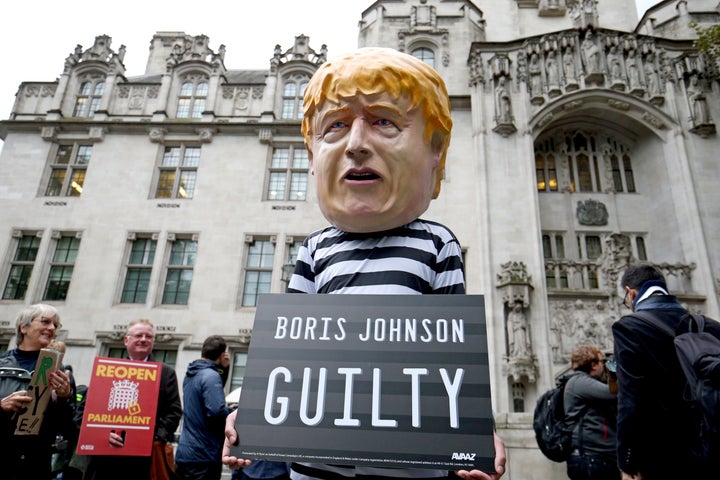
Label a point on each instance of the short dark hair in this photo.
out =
(636, 275)
(213, 347)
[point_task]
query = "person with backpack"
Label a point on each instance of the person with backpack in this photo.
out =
(592, 410)
(660, 430)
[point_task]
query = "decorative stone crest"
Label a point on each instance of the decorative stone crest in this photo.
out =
(592, 212)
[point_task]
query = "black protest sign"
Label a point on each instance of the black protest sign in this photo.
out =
(382, 380)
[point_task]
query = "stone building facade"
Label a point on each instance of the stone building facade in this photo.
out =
(583, 140)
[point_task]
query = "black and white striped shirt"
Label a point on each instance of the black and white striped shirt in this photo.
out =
(418, 258)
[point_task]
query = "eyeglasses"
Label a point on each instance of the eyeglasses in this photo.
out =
(610, 364)
(140, 336)
(46, 322)
(625, 302)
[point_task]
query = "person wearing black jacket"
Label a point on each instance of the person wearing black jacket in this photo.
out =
(592, 408)
(657, 430)
(139, 341)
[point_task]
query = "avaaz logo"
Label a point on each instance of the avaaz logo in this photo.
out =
(463, 456)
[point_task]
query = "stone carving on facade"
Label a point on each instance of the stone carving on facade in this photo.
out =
(477, 71)
(99, 52)
(570, 69)
(536, 82)
(300, 51)
(584, 13)
(157, 135)
(615, 258)
(592, 212)
(578, 322)
(504, 122)
(615, 69)
(592, 61)
(652, 81)
(632, 65)
(242, 102)
(698, 107)
(137, 98)
(551, 8)
(515, 285)
(553, 74)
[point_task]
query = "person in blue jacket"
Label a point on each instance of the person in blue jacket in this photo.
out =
(198, 455)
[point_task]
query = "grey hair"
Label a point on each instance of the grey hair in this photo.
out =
(30, 313)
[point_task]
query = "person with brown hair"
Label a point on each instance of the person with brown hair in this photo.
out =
(592, 408)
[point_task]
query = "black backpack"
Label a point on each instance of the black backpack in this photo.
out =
(552, 431)
(699, 355)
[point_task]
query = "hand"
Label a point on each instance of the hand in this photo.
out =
(116, 440)
(60, 382)
(231, 439)
(500, 460)
(15, 401)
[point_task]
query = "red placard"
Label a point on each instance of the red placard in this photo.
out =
(122, 398)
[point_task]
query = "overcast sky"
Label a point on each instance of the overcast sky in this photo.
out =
(40, 34)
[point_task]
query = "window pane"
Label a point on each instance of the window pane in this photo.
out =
(58, 283)
(260, 254)
(290, 89)
(256, 283)
(300, 158)
(177, 287)
(27, 248)
(238, 370)
(629, 178)
(171, 157)
(298, 186)
(183, 109)
(143, 251)
(280, 158)
(201, 90)
(83, 155)
(592, 244)
(192, 157)
(642, 253)
(186, 89)
(547, 246)
(165, 184)
(66, 250)
(276, 188)
(76, 183)
(288, 108)
(540, 172)
(136, 285)
(183, 252)
(63, 154)
(584, 175)
(198, 108)
(17, 283)
(187, 184)
(57, 177)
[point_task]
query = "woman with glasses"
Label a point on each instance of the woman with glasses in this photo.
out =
(593, 409)
(29, 456)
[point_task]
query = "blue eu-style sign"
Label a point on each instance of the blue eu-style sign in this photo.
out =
(383, 380)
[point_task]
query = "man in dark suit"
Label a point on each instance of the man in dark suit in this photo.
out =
(139, 340)
(656, 427)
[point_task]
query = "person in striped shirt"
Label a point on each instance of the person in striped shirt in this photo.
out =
(377, 128)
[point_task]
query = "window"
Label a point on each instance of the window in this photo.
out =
(292, 97)
(138, 270)
(518, 397)
(61, 267)
(425, 54)
(258, 271)
(238, 370)
(88, 99)
(21, 267)
(179, 275)
(585, 162)
(553, 251)
(67, 170)
(164, 356)
(288, 177)
(191, 99)
(640, 245)
(178, 172)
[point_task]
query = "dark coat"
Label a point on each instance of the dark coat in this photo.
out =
(28, 456)
(204, 414)
(656, 429)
